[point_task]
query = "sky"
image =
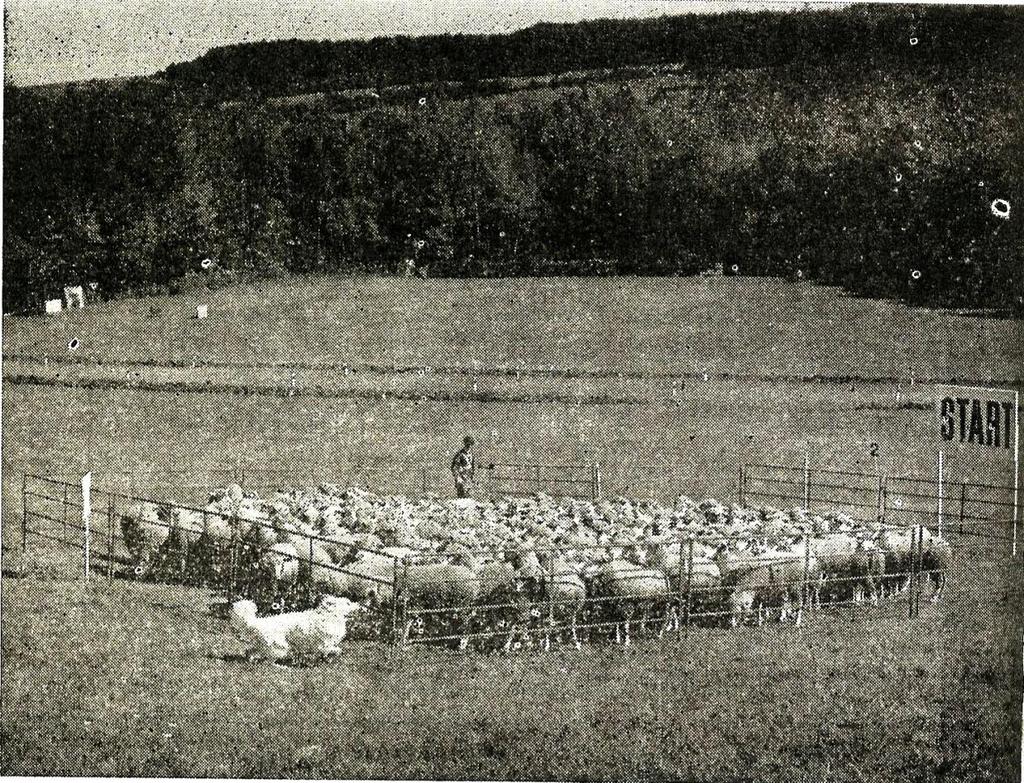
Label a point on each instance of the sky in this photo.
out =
(47, 41)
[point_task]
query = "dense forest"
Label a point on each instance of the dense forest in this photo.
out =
(877, 148)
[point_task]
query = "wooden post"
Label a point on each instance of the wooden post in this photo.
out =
(312, 582)
(424, 469)
(597, 480)
(24, 524)
(939, 471)
(963, 503)
(183, 542)
(110, 540)
(536, 469)
(743, 486)
(64, 516)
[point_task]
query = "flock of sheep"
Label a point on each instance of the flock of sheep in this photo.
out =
(527, 571)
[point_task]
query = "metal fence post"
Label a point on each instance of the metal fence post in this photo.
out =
(405, 602)
(597, 481)
(110, 539)
(64, 515)
(921, 562)
(424, 469)
(805, 587)
(743, 485)
(86, 541)
(536, 476)
(689, 584)
(807, 481)
(910, 573)
(551, 600)
(232, 557)
(394, 599)
(24, 524)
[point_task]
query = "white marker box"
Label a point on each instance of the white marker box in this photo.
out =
(54, 306)
(201, 311)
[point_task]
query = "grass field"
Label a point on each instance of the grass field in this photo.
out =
(93, 681)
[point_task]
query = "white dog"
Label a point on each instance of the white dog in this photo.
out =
(274, 637)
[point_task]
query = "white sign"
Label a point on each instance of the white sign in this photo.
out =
(973, 417)
(202, 311)
(74, 296)
(977, 418)
(54, 306)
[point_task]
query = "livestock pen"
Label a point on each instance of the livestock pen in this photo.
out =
(554, 593)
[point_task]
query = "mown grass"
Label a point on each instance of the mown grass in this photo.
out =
(137, 679)
(649, 325)
(860, 697)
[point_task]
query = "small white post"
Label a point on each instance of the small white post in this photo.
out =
(86, 519)
(939, 471)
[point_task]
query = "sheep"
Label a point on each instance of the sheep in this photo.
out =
(763, 579)
(936, 559)
(442, 589)
(501, 602)
(703, 577)
(562, 585)
(629, 588)
(900, 548)
(274, 638)
(867, 570)
(145, 529)
(835, 554)
(283, 561)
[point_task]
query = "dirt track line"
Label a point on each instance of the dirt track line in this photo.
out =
(534, 372)
(316, 391)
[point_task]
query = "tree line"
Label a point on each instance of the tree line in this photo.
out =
(135, 187)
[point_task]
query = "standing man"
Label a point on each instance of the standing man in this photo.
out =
(464, 468)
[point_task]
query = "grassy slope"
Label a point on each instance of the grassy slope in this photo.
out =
(139, 680)
(865, 700)
(738, 325)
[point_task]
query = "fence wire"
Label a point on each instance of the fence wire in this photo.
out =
(557, 605)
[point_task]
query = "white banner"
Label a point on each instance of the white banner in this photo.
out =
(86, 499)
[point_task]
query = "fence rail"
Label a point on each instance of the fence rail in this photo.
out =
(536, 610)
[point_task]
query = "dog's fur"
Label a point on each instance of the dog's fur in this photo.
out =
(276, 637)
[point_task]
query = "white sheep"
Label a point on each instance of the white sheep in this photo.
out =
(282, 560)
(319, 630)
